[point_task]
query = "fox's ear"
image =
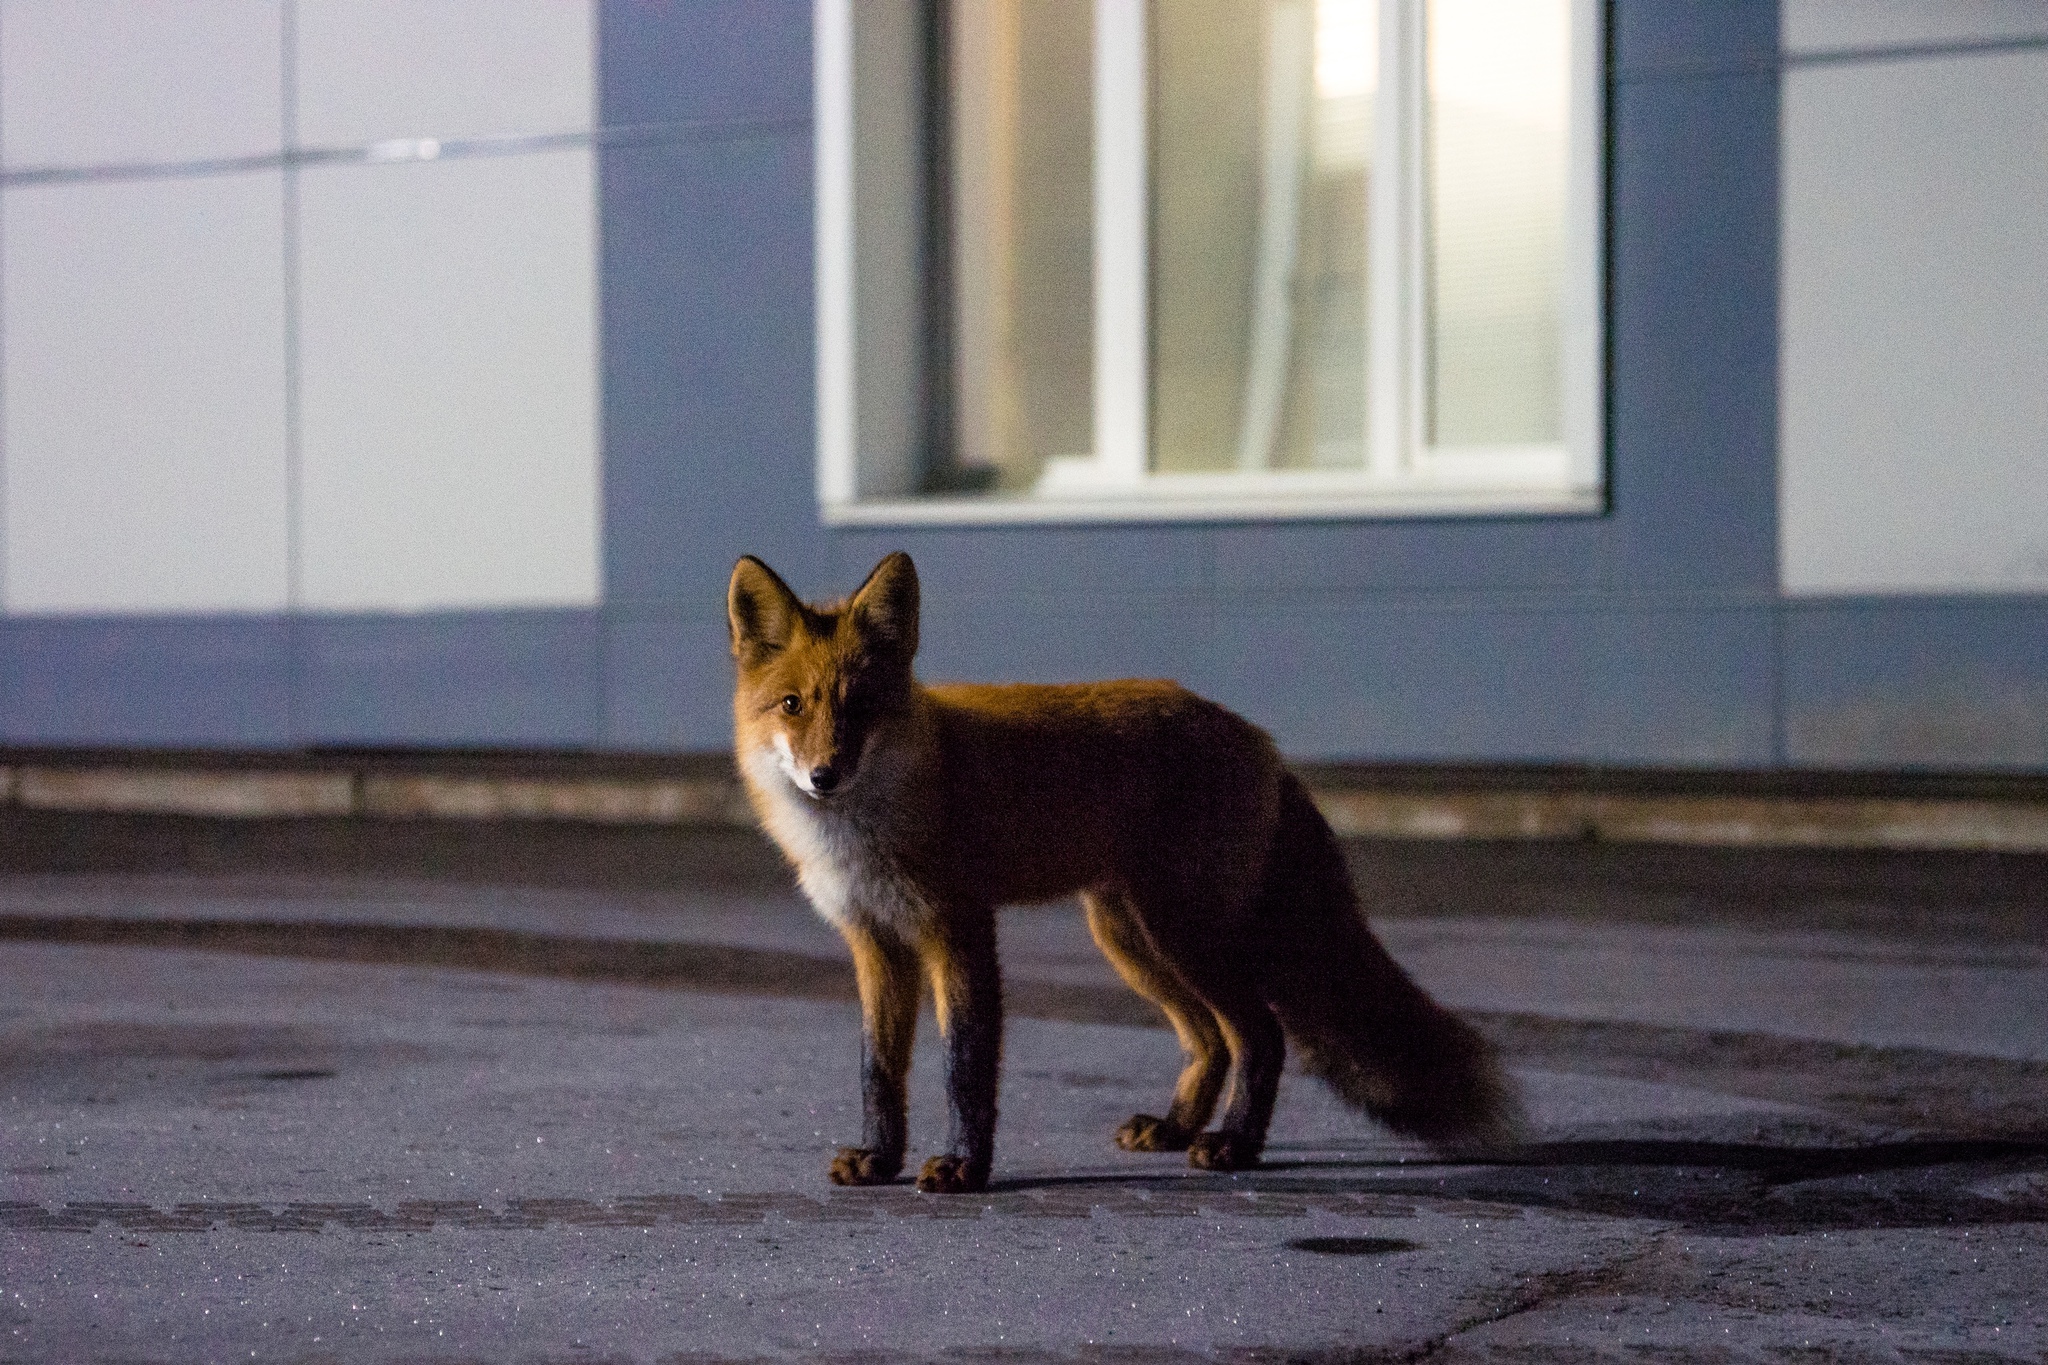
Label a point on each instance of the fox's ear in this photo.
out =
(760, 610)
(885, 607)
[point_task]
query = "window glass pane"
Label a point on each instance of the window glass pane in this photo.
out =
(1022, 241)
(1498, 111)
(1261, 156)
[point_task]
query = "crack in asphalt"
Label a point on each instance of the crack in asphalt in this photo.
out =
(1540, 1290)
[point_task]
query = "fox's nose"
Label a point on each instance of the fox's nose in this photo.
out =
(824, 778)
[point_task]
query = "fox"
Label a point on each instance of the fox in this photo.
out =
(1208, 878)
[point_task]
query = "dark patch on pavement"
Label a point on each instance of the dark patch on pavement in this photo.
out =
(1353, 1246)
(106, 1061)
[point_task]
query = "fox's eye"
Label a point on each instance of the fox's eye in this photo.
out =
(792, 704)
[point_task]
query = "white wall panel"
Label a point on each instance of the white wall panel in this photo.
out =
(110, 81)
(376, 69)
(1809, 26)
(449, 384)
(1914, 316)
(144, 396)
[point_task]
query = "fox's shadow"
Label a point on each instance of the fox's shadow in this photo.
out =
(1706, 1187)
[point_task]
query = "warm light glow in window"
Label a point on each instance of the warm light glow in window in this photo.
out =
(1510, 57)
(1347, 47)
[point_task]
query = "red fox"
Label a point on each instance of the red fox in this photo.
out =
(1209, 879)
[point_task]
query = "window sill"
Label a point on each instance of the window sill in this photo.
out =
(1348, 501)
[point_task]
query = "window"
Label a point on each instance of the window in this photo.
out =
(1111, 260)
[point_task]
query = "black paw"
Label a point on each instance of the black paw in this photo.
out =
(951, 1174)
(865, 1166)
(1143, 1133)
(1223, 1151)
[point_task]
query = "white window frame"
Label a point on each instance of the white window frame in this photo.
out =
(867, 128)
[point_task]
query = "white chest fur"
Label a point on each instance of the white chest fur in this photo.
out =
(838, 848)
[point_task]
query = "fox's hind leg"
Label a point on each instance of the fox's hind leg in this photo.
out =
(1188, 932)
(1123, 942)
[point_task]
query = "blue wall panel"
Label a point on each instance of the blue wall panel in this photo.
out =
(1693, 244)
(1940, 682)
(1034, 561)
(1680, 37)
(1517, 682)
(668, 677)
(1413, 680)
(1514, 554)
(1672, 684)
(707, 363)
(663, 61)
(1071, 639)
(462, 679)
(196, 681)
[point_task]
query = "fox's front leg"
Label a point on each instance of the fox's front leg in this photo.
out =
(886, 969)
(960, 954)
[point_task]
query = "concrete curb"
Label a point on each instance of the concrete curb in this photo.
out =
(2015, 824)
(1761, 822)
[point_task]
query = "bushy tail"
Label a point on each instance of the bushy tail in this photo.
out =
(1360, 1023)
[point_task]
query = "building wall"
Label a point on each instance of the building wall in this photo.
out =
(1668, 632)
(1645, 636)
(1913, 451)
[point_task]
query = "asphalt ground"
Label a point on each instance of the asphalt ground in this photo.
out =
(341, 1091)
